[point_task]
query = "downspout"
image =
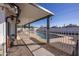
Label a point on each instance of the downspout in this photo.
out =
(17, 11)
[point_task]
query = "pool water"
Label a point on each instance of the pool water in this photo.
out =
(42, 35)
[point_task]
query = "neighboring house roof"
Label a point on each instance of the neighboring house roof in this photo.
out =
(31, 12)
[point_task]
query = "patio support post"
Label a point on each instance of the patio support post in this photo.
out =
(48, 27)
(29, 26)
(29, 29)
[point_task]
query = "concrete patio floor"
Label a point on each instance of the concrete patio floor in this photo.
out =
(24, 46)
(19, 49)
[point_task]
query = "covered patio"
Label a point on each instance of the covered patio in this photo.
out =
(30, 13)
(26, 43)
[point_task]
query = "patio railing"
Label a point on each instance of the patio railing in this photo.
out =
(66, 41)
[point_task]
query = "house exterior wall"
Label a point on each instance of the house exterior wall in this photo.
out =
(4, 12)
(2, 32)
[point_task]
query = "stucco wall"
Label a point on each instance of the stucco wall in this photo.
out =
(2, 29)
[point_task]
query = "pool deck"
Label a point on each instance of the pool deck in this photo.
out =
(63, 42)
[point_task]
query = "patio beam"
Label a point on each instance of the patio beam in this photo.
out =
(39, 19)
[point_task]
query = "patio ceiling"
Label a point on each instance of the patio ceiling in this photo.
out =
(32, 12)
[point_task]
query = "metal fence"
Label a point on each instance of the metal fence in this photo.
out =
(66, 41)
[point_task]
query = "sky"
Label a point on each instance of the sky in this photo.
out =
(65, 13)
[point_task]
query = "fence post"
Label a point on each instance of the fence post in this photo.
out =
(77, 45)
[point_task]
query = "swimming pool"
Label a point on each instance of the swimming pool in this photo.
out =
(42, 35)
(51, 36)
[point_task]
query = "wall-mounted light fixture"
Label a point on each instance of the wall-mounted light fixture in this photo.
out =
(18, 21)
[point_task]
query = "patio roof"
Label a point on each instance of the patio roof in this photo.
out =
(31, 12)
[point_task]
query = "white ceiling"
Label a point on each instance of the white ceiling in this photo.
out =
(31, 12)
